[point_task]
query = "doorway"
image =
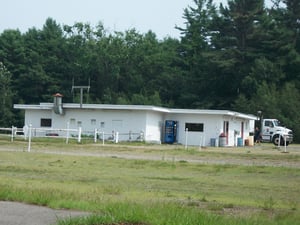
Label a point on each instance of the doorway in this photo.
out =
(226, 130)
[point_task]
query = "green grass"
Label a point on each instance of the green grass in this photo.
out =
(152, 191)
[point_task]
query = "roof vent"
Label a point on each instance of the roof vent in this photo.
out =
(57, 105)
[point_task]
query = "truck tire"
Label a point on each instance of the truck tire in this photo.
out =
(276, 139)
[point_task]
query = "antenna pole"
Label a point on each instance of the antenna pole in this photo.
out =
(81, 91)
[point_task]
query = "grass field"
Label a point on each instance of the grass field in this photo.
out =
(155, 184)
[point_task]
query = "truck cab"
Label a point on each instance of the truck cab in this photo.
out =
(273, 131)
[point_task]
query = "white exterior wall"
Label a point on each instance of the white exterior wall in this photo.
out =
(213, 126)
(235, 130)
(33, 117)
(108, 121)
(139, 123)
(153, 132)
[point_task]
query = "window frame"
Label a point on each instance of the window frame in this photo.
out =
(46, 122)
(194, 127)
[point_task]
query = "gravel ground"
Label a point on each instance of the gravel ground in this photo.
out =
(15, 213)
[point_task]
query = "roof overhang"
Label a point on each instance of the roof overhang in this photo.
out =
(115, 107)
(213, 112)
(49, 106)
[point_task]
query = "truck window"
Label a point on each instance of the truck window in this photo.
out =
(277, 123)
(269, 123)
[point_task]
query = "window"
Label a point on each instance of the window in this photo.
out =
(197, 127)
(46, 122)
(72, 121)
(93, 121)
(268, 123)
(79, 123)
(102, 124)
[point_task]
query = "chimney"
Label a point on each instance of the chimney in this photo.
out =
(57, 105)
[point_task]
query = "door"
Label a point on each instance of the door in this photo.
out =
(226, 130)
(267, 130)
(242, 130)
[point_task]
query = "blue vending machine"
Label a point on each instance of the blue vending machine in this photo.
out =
(170, 131)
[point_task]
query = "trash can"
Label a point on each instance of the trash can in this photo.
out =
(213, 142)
(246, 142)
(222, 141)
(240, 142)
(251, 140)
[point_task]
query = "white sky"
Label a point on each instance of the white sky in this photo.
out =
(160, 16)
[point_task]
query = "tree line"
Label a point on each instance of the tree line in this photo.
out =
(241, 56)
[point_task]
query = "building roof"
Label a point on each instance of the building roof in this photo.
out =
(213, 112)
(49, 106)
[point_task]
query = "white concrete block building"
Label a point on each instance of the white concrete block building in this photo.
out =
(149, 123)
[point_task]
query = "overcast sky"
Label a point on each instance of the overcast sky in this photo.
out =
(160, 16)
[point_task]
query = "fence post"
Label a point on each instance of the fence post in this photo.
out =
(142, 136)
(285, 144)
(102, 137)
(12, 134)
(117, 137)
(25, 131)
(79, 134)
(130, 136)
(95, 135)
(67, 135)
(200, 142)
(186, 137)
(29, 137)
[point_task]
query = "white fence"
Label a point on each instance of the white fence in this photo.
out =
(10, 132)
(29, 132)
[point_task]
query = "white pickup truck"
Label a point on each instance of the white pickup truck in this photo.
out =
(272, 131)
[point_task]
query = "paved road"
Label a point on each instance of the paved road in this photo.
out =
(15, 213)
